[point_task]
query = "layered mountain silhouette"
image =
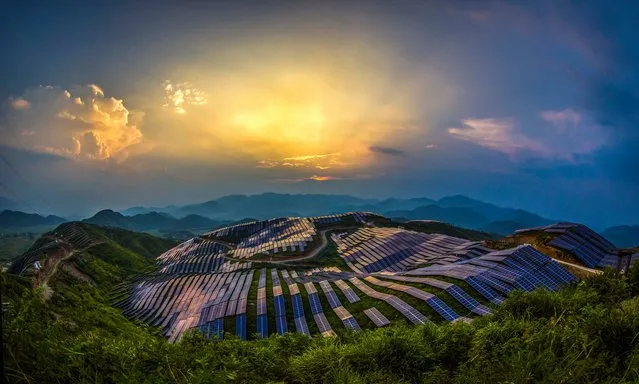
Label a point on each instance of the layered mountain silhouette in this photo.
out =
(624, 236)
(150, 221)
(456, 210)
(16, 219)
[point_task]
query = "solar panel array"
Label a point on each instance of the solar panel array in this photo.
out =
(500, 272)
(262, 319)
(290, 234)
(341, 312)
(359, 217)
(456, 292)
(433, 301)
(317, 311)
(370, 250)
(404, 308)
(298, 306)
(585, 244)
(351, 296)
(198, 286)
(198, 255)
(279, 302)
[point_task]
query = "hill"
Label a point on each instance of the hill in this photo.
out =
(16, 219)
(623, 236)
(72, 334)
(428, 226)
(153, 221)
(463, 217)
(131, 252)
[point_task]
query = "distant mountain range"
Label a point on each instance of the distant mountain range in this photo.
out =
(16, 219)
(151, 221)
(456, 210)
(625, 236)
(461, 211)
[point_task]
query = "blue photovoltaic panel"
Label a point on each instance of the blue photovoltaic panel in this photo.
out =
(333, 301)
(280, 309)
(240, 326)
(485, 291)
(280, 325)
(218, 328)
(351, 296)
(262, 326)
(495, 283)
(322, 322)
(561, 272)
(467, 301)
(301, 326)
(298, 306)
(442, 308)
(316, 306)
(351, 323)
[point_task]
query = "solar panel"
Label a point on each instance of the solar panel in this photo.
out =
(485, 291)
(351, 324)
(376, 317)
(218, 329)
(240, 326)
(262, 326)
(468, 301)
(280, 325)
(316, 306)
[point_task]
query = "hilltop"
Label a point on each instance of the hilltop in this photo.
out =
(155, 222)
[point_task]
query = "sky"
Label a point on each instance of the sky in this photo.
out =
(526, 104)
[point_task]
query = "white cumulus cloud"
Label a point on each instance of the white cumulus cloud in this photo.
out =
(78, 123)
(177, 96)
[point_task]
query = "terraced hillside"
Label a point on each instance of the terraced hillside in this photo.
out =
(221, 282)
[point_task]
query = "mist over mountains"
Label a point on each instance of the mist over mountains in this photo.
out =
(457, 210)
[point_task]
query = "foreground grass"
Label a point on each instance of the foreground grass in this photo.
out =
(585, 333)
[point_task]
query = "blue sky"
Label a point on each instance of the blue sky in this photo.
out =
(526, 104)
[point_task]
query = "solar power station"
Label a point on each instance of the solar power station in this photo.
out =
(586, 245)
(222, 279)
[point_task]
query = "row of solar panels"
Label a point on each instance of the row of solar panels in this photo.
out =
(371, 250)
(178, 303)
(184, 301)
(288, 235)
(192, 248)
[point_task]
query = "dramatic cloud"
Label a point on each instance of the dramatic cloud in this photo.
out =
(76, 123)
(563, 134)
(501, 134)
(387, 151)
(180, 95)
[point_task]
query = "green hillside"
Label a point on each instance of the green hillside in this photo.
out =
(583, 333)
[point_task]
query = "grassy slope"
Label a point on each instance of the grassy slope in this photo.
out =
(584, 333)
